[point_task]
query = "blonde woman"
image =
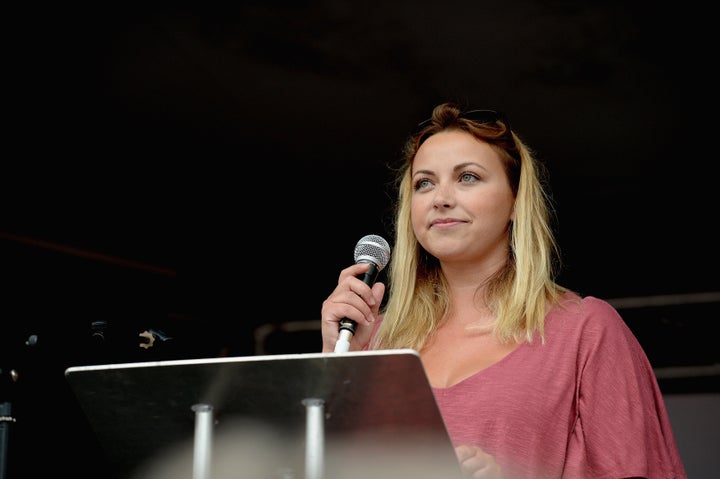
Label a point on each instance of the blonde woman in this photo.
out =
(533, 380)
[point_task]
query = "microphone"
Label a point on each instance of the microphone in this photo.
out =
(372, 249)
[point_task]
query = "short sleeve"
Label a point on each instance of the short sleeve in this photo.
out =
(618, 400)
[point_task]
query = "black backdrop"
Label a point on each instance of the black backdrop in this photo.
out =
(207, 173)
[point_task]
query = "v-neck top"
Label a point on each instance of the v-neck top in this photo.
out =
(584, 404)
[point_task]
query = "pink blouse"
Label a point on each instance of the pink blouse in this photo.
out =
(586, 404)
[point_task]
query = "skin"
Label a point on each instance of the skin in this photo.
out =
(461, 207)
(462, 203)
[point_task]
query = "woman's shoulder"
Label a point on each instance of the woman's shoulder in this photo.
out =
(587, 311)
(573, 302)
(589, 322)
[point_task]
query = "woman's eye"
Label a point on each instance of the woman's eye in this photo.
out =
(468, 177)
(423, 183)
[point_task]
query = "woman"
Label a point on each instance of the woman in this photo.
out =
(532, 380)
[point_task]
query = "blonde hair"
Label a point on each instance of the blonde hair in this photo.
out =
(520, 293)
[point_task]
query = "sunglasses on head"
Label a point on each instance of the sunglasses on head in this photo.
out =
(477, 116)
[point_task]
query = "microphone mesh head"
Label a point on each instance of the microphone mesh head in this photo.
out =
(373, 248)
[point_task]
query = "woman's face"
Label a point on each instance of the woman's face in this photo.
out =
(461, 203)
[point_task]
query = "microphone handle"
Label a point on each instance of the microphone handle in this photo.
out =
(347, 326)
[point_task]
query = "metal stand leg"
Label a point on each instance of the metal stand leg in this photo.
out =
(202, 448)
(5, 420)
(314, 438)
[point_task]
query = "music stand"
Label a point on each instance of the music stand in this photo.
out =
(336, 415)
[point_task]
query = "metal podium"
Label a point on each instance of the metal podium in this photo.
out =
(298, 416)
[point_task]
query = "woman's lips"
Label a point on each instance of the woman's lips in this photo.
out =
(445, 222)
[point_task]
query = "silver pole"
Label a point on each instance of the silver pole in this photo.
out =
(202, 447)
(314, 438)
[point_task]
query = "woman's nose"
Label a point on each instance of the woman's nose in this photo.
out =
(444, 196)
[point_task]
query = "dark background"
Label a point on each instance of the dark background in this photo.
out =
(206, 173)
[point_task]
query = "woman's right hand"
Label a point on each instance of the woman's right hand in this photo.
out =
(352, 299)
